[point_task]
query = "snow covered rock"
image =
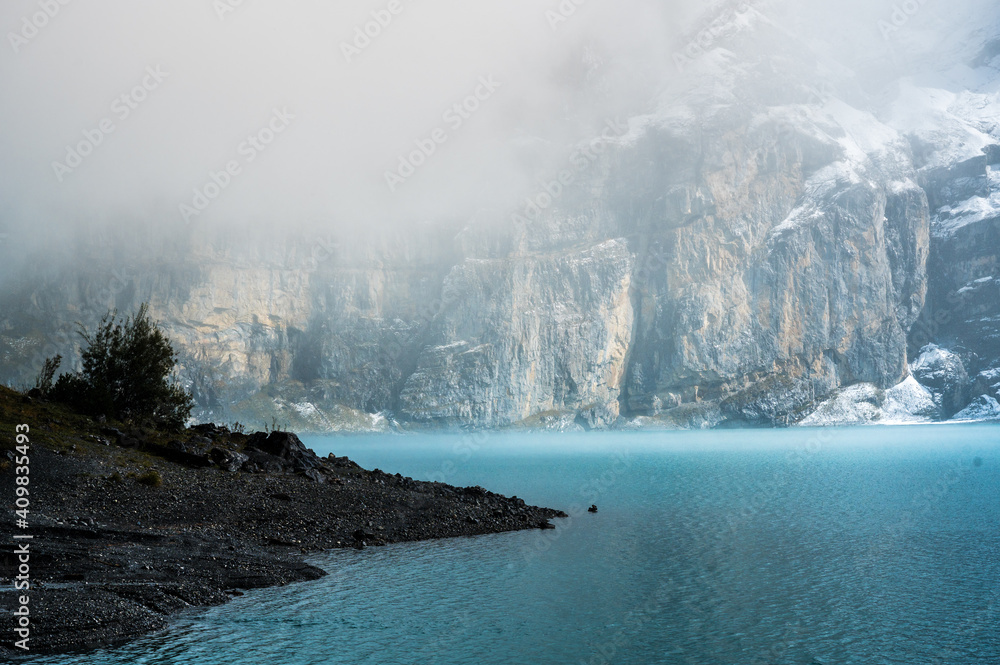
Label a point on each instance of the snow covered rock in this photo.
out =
(987, 382)
(909, 402)
(944, 374)
(983, 407)
(864, 404)
(860, 404)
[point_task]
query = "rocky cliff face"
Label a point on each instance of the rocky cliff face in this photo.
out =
(791, 262)
(749, 247)
(963, 310)
(522, 336)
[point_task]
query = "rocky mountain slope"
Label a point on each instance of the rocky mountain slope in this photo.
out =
(781, 236)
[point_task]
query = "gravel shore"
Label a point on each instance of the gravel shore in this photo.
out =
(131, 526)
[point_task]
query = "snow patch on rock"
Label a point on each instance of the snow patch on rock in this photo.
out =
(907, 403)
(933, 361)
(950, 219)
(982, 408)
(859, 404)
(950, 122)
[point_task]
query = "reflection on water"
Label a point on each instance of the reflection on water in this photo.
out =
(811, 548)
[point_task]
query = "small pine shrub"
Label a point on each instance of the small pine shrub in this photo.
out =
(44, 381)
(126, 374)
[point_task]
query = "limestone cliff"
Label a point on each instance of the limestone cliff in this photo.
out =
(761, 237)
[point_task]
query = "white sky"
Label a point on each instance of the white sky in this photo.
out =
(352, 120)
(225, 76)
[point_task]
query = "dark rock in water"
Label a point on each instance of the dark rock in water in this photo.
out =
(546, 525)
(592, 509)
(287, 448)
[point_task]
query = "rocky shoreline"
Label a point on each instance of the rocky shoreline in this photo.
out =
(131, 526)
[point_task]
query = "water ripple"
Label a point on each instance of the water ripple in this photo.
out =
(849, 556)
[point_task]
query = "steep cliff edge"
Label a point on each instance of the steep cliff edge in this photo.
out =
(768, 241)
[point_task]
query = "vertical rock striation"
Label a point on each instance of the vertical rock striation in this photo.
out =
(743, 250)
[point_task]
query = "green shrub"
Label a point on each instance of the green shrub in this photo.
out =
(151, 479)
(126, 373)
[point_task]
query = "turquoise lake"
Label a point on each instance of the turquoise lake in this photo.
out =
(799, 547)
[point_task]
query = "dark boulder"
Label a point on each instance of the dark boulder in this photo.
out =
(210, 430)
(182, 453)
(341, 462)
(227, 460)
(361, 536)
(314, 475)
(944, 374)
(261, 462)
(286, 447)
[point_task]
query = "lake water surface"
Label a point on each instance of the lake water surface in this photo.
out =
(800, 547)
